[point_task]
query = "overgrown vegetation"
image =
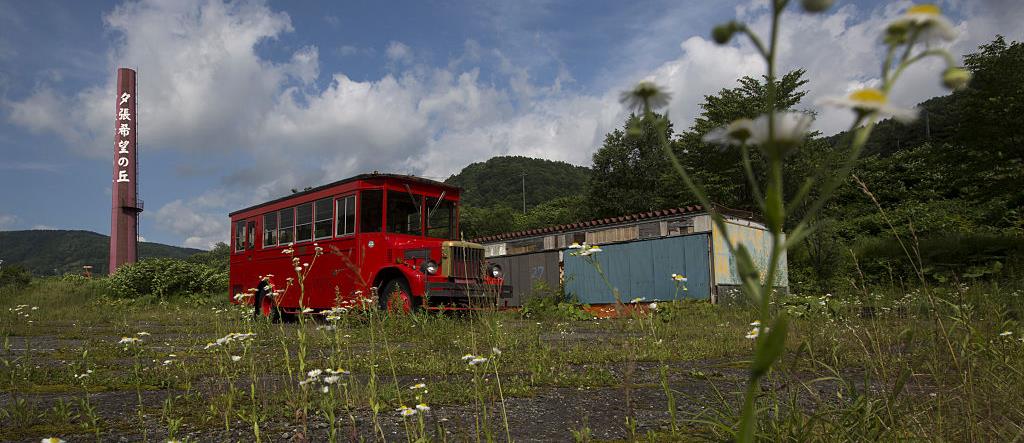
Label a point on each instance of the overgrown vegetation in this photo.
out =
(14, 277)
(548, 303)
(880, 365)
(164, 277)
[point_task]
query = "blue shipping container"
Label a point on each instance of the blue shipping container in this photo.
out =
(642, 269)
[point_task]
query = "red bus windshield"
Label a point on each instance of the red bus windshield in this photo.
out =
(406, 213)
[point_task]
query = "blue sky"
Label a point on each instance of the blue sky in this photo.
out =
(242, 101)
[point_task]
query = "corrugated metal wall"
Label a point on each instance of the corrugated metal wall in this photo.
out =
(642, 269)
(522, 270)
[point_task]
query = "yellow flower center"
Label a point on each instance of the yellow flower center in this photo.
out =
(927, 9)
(868, 95)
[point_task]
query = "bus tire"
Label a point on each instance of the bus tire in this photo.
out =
(398, 298)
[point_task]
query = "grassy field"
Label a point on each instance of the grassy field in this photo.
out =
(937, 364)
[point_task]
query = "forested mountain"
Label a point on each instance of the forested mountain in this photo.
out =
(50, 252)
(499, 181)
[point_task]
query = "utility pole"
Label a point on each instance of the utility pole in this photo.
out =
(927, 126)
(524, 192)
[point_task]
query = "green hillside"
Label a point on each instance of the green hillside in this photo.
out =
(499, 181)
(49, 252)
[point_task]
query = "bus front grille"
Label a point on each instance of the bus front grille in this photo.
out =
(466, 262)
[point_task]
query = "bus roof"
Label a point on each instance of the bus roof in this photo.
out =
(372, 175)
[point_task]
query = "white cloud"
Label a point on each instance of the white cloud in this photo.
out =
(703, 68)
(348, 50)
(7, 221)
(198, 229)
(399, 52)
(43, 227)
(44, 111)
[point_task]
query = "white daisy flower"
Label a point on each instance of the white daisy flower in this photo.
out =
(575, 245)
(307, 310)
(52, 440)
(468, 357)
(790, 130)
(406, 411)
(236, 357)
(478, 361)
(422, 407)
(314, 373)
(331, 379)
(735, 133)
(418, 386)
(753, 333)
(653, 306)
(645, 96)
(871, 101)
(926, 20)
(1006, 333)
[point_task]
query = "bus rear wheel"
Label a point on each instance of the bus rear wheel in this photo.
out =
(398, 298)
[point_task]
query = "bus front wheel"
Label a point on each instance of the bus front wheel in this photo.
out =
(398, 298)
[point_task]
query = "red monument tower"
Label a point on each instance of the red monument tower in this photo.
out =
(125, 205)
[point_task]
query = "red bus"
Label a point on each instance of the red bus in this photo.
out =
(395, 233)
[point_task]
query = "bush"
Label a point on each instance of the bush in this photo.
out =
(546, 302)
(165, 277)
(216, 258)
(14, 276)
(951, 257)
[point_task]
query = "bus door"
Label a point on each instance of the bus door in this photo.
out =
(250, 239)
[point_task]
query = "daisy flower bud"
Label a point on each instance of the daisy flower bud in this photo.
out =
(956, 78)
(724, 32)
(816, 5)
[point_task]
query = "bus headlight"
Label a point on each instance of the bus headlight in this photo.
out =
(429, 267)
(495, 271)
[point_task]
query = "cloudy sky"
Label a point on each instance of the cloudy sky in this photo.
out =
(240, 102)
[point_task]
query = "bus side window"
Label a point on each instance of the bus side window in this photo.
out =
(286, 222)
(323, 215)
(371, 210)
(304, 222)
(346, 221)
(270, 230)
